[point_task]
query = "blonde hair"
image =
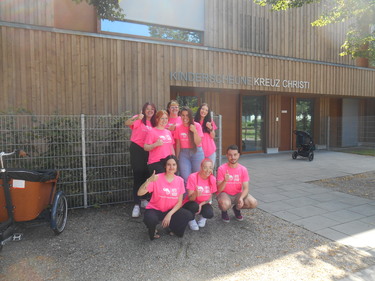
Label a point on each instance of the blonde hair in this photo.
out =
(159, 114)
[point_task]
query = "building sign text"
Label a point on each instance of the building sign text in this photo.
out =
(238, 80)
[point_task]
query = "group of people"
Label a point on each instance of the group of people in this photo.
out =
(173, 156)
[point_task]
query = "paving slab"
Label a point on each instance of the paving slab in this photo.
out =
(294, 197)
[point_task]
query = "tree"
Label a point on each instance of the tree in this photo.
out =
(360, 38)
(174, 34)
(106, 9)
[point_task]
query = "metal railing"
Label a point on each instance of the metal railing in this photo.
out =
(91, 153)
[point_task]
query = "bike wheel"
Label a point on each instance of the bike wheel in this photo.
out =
(59, 213)
(294, 155)
(311, 156)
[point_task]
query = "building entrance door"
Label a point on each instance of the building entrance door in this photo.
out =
(286, 124)
(252, 123)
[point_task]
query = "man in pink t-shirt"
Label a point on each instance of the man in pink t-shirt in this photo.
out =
(233, 186)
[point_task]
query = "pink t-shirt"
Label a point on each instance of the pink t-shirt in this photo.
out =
(206, 186)
(162, 151)
(238, 176)
(208, 143)
(182, 133)
(165, 194)
(139, 131)
(174, 121)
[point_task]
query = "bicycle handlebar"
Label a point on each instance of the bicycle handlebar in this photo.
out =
(21, 153)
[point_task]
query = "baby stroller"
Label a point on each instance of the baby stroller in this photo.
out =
(305, 145)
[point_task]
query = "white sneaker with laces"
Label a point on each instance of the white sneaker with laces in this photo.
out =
(202, 222)
(193, 225)
(136, 211)
(144, 203)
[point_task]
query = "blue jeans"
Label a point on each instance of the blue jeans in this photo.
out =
(213, 158)
(189, 162)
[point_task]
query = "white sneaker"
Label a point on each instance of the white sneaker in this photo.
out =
(144, 203)
(202, 222)
(136, 211)
(193, 225)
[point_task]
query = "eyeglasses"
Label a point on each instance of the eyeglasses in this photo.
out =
(174, 107)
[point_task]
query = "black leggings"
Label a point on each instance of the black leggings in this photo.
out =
(158, 167)
(178, 223)
(138, 161)
(206, 211)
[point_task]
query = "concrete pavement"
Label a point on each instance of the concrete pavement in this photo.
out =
(282, 188)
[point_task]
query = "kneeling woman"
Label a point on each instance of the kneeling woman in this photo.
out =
(201, 185)
(165, 205)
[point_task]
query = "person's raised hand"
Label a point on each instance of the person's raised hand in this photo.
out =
(153, 177)
(172, 127)
(140, 115)
(159, 142)
(227, 176)
(192, 128)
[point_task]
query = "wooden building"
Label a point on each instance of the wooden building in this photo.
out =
(267, 73)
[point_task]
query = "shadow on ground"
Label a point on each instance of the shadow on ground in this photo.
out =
(107, 244)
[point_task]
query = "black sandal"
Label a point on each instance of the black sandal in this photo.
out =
(153, 234)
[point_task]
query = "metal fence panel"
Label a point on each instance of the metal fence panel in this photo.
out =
(91, 153)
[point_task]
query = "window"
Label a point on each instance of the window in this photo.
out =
(153, 31)
(372, 32)
(191, 101)
(181, 20)
(252, 129)
(304, 115)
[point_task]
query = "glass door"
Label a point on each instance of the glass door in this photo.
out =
(304, 115)
(252, 123)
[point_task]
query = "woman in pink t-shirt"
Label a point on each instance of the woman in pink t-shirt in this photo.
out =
(159, 142)
(203, 117)
(200, 187)
(140, 125)
(165, 205)
(189, 150)
(173, 118)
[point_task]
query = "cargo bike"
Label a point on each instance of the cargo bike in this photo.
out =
(28, 195)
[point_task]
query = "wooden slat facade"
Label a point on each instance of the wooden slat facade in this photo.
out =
(245, 26)
(88, 74)
(35, 12)
(45, 70)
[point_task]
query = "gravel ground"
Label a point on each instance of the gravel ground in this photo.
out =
(107, 244)
(362, 185)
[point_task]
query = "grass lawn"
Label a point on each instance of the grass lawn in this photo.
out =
(361, 151)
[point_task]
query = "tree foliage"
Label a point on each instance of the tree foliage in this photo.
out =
(360, 38)
(106, 9)
(173, 34)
